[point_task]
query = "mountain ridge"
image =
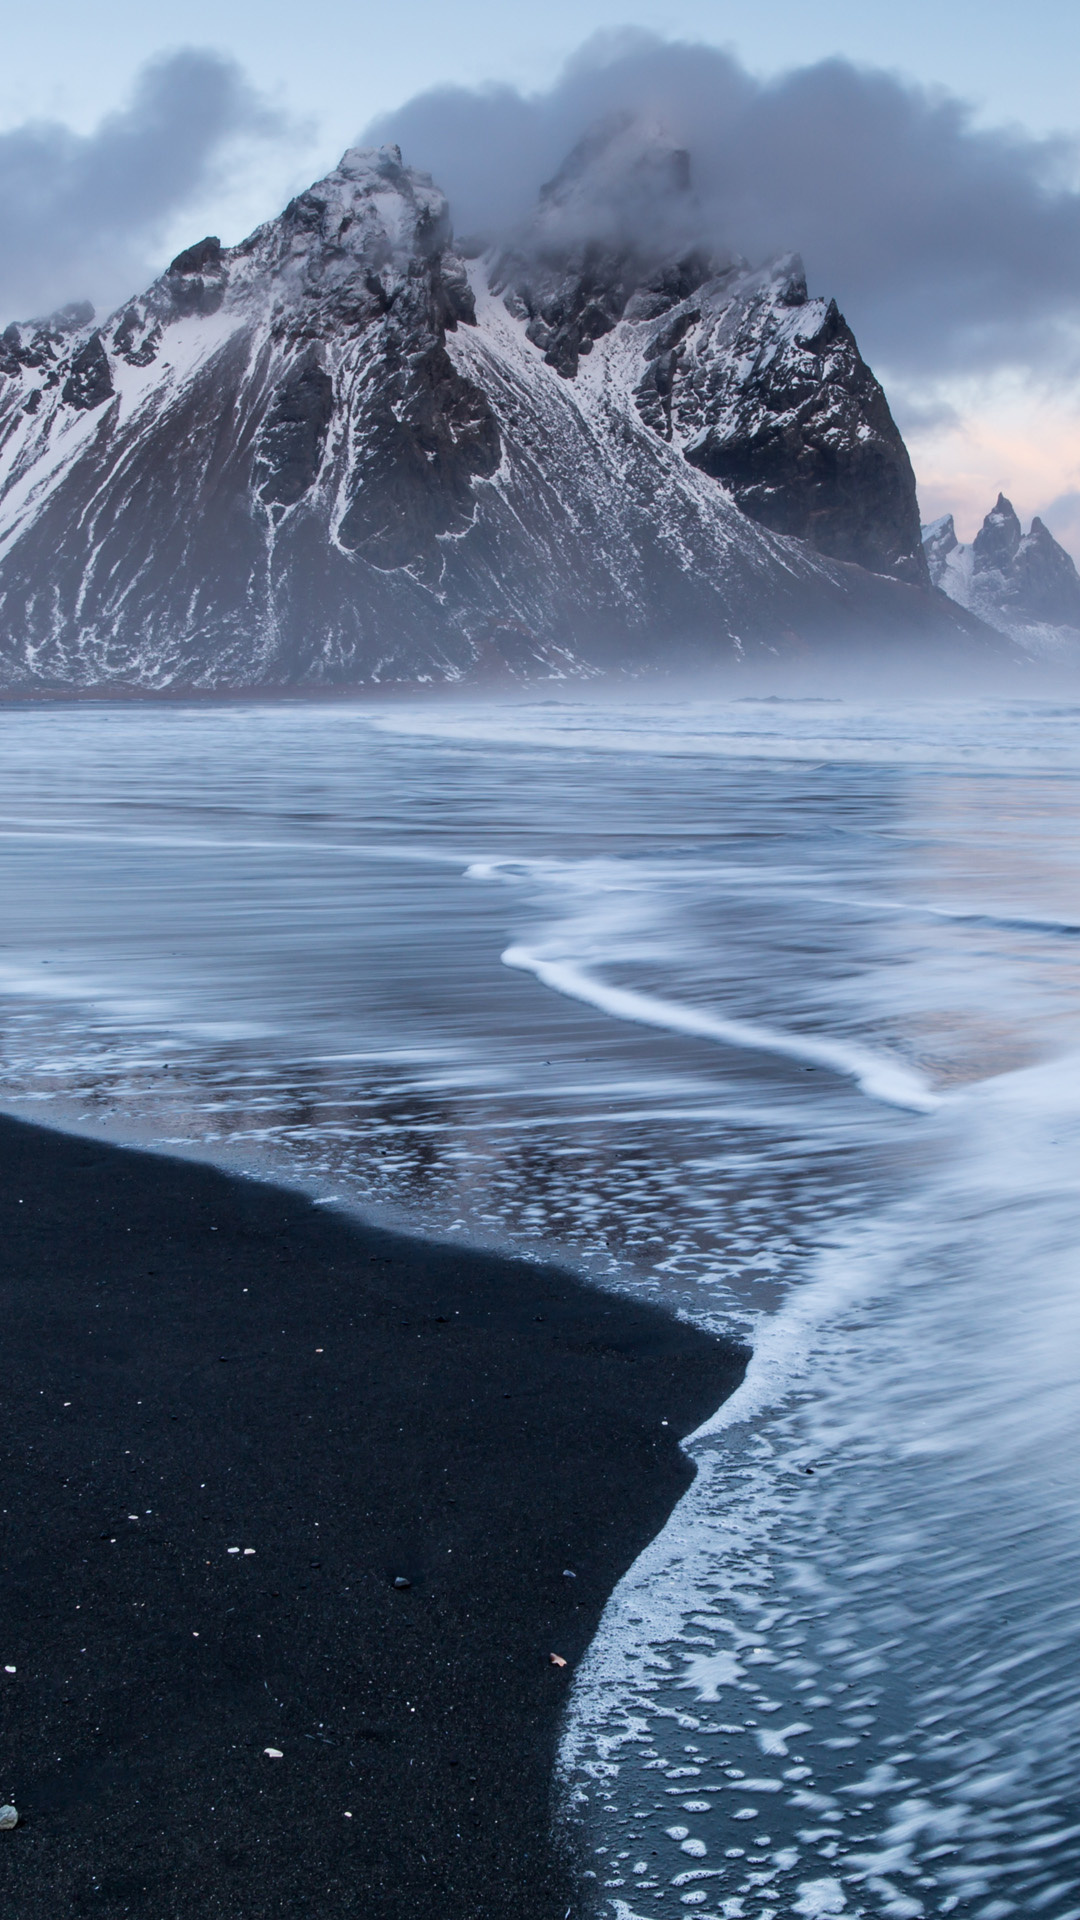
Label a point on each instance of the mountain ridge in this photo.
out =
(1024, 585)
(338, 454)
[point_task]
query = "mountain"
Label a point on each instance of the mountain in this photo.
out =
(1024, 584)
(339, 454)
(759, 386)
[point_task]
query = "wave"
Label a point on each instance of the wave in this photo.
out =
(881, 1078)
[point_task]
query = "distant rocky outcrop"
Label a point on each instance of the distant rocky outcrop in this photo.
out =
(338, 454)
(1024, 584)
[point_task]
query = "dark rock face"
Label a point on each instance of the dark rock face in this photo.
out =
(430, 434)
(135, 340)
(998, 539)
(774, 400)
(763, 388)
(334, 455)
(90, 381)
(1026, 585)
(1046, 584)
(570, 302)
(204, 257)
(294, 433)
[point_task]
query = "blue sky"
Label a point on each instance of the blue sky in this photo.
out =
(328, 69)
(338, 64)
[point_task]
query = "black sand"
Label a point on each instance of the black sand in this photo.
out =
(472, 1424)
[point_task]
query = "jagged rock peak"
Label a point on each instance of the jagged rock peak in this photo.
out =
(37, 343)
(339, 253)
(1025, 584)
(765, 390)
(619, 218)
(345, 245)
(998, 539)
(370, 210)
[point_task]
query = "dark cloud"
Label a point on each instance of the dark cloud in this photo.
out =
(949, 245)
(81, 214)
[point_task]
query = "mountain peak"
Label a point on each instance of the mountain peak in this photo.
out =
(1025, 584)
(619, 216)
(369, 213)
(998, 538)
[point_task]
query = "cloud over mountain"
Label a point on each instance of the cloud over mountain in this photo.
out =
(950, 245)
(81, 213)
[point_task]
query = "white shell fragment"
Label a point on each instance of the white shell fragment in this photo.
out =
(9, 1817)
(273, 1753)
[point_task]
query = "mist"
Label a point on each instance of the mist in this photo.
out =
(949, 245)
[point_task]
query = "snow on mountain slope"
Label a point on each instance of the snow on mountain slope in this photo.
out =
(333, 455)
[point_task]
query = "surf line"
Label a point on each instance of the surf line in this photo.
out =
(882, 1079)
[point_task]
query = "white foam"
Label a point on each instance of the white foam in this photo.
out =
(882, 1078)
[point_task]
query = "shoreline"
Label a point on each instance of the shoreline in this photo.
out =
(193, 1361)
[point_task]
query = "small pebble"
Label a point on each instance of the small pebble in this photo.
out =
(402, 1582)
(8, 1818)
(273, 1753)
(248, 1551)
(9, 1669)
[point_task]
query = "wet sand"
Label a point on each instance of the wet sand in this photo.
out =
(193, 1362)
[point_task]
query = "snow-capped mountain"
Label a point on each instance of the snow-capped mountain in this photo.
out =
(759, 386)
(1024, 584)
(339, 454)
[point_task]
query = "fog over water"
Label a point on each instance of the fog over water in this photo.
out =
(766, 1009)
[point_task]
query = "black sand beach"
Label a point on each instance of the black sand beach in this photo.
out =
(193, 1363)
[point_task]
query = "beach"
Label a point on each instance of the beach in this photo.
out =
(761, 1019)
(231, 1421)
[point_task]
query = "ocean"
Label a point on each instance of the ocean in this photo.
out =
(767, 1010)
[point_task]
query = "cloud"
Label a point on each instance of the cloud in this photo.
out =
(922, 413)
(950, 246)
(80, 215)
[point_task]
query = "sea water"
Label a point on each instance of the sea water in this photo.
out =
(766, 1010)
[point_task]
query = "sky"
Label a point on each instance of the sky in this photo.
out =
(930, 179)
